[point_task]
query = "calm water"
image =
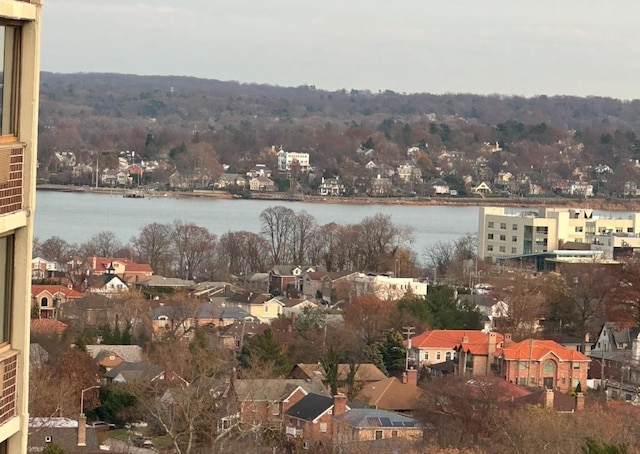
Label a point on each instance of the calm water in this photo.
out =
(75, 217)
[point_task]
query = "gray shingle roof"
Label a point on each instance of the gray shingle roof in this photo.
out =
(129, 353)
(274, 389)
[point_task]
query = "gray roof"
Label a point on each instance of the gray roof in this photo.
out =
(132, 372)
(369, 417)
(161, 281)
(310, 407)
(219, 311)
(130, 353)
(274, 389)
(62, 435)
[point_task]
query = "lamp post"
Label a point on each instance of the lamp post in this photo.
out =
(82, 397)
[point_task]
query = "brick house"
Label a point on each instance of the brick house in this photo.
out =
(264, 402)
(542, 363)
(476, 358)
(311, 418)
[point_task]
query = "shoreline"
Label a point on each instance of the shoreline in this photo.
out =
(593, 203)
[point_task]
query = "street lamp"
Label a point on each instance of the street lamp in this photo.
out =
(82, 397)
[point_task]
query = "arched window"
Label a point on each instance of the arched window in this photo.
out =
(549, 368)
(44, 302)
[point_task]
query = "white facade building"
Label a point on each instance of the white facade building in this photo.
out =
(286, 158)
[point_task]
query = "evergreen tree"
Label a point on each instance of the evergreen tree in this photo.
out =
(330, 364)
(265, 350)
(393, 351)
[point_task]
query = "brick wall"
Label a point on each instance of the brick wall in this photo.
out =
(11, 162)
(8, 402)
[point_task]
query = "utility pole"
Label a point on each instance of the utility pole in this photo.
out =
(408, 331)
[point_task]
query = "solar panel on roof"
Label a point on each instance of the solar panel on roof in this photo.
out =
(409, 424)
(385, 422)
(373, 422)
(398, 424)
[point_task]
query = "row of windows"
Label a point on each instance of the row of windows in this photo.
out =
(501, 249)
(438, 356)
(514, 238)
(503, 225)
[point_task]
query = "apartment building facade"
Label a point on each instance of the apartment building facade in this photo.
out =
(20, 29)
(503, 233)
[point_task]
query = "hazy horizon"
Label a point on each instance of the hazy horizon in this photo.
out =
(548, 48)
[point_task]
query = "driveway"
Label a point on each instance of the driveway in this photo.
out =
(124, 447)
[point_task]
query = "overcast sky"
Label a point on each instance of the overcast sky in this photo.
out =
(574, 47)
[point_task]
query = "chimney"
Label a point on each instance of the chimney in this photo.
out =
(548, 399)
(507, 338)
(405, 378)
(339, 404)
(579, 402)
(492, 343)
(465, 339)
(412, 377)
(234, 376)
(635, 350)
(587, 344)
(82, 430)
(94, 262)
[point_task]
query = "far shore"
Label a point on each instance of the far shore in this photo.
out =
(531, 202)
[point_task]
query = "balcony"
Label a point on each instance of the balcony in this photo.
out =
(293, 431)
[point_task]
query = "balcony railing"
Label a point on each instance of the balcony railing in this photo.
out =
(293, 431)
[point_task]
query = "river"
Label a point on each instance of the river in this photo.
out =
(75, 217)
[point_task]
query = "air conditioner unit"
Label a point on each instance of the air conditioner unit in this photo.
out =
(47, 439)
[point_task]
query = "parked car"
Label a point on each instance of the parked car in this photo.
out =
(102, 425)
(141, 442)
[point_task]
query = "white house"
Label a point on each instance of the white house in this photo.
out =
(286, 158)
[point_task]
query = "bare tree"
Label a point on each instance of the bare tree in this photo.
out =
(304, 226)
(102, 244)
(193, 244)
(55, 248)
(153, 246)
(277, 226)
(243, 252)
(440, 256)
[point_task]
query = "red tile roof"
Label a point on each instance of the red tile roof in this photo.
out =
(537, 349)
(69, 293)
(47, 326)
(477, 341)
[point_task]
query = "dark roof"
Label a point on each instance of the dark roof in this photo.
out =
(65, 437)
(250, 298)
(132, 372)
(310, 407)
(561, 401)
(447, 367)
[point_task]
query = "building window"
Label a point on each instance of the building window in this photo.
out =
(275, 409)
(10, 36)
(490, 225)
(629, 229)
(448, 356)
(323, 427)
(6, 289)
(514, 239)
(44, 302)
(514, 227)
(503, 237)
(394, 433)
(503, 249)
(490, 236)
(266, 308)
(513, 250)
(575, 365)
(490, 247)
(378, 435)
(549, 368)
(579, 229)
(544, 230)
(438, 355)
(426, 356)
(503, 226)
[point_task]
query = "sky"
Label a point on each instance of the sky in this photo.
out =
(559, 47)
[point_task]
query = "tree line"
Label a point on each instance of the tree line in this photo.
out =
(186, 250)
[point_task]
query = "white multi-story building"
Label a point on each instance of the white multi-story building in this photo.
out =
(286, 158)
(503, 234)
(20, 77)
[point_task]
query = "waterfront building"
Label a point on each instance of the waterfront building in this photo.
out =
(503, 234)
(20, 28)
(286, 158)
